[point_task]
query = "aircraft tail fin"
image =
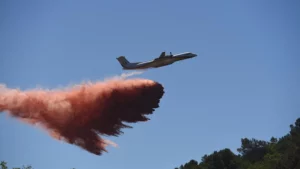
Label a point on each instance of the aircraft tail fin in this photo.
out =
(123, 61)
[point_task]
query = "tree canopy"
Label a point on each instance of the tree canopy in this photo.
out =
(282, 153)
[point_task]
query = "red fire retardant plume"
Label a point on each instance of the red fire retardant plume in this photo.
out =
(81, 114)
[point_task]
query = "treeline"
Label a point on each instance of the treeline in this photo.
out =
(3, 165)
(282, 153)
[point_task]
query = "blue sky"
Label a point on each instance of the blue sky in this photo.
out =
(244, 82)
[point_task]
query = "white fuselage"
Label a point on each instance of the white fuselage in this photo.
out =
(159, 62)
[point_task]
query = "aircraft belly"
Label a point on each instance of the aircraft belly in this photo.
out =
(144, 65)
(163, 63)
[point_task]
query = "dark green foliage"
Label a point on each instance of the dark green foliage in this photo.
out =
(282, 153)
(253, 150)
(3, 165)
(221, 159)
(291, 156)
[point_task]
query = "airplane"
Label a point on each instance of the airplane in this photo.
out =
(162, 60)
